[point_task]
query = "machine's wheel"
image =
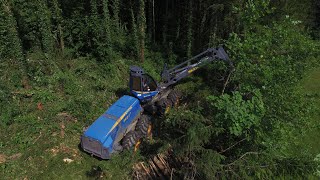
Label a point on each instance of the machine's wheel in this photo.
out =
(150, 109)
(143, 124)
(174, 96)
(164, 106)
(130, 139)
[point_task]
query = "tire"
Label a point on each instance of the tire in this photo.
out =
(130, 140)
(174, 96)
(143, 125)
(163, 106)
(150, 109)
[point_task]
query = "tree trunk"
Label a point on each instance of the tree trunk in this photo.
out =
(149, 17)
(61, 38)
(116, 10)
(165, 25)
(142, 25)
(58, 15)
(106, 21)
(190, 30)
(154, 23)
(135, 35)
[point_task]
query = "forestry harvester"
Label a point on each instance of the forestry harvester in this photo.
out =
(128, 120)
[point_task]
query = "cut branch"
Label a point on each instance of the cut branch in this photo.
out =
(232, 145)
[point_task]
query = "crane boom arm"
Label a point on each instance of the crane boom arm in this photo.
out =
(175, 74)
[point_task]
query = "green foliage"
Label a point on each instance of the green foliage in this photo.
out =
(44, 24)
(116, 9)
(190, 133)
(274, 59)
(236, 114)
(253, 12)
(34, 23)
(100, 39)
(10, 46)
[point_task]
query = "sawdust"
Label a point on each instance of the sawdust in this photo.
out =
(67, 160)
(65, 150)
(3, 158)
(62, 127)
(64, 116)
(15, 156)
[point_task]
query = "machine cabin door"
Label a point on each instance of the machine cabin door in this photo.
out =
(143, 87)
(136, 83)
(148, 83)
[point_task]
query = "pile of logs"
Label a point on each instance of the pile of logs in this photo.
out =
(161, 166)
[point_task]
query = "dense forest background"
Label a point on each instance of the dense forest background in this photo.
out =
(63, 63)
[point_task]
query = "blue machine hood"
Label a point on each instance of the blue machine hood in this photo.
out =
(105, 125)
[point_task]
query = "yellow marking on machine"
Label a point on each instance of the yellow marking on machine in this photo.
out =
(125, 119)
(193, 69)
(119, 120)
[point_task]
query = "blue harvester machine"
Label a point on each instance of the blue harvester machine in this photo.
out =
(128, 120)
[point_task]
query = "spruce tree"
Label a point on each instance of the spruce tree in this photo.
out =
(190, 29)
(106, 23)
(116, 9)
(58, 23)
(10, 46)
(135, 35)
(44, 24)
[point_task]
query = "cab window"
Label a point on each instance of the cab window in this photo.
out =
(148, 83)
(136, 83)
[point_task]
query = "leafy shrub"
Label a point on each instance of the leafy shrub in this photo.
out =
(235, 113)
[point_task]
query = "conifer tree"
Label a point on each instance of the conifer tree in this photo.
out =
(116, 9)
(165, 24)
(58, 21)
(44, 24)
(135, 36)
(10, 46)
(106, 22)
(190, 30)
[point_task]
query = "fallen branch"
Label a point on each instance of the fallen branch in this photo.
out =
(241, 157)
(37, 138)
(232, 145)
(25, 94)
(226, 82)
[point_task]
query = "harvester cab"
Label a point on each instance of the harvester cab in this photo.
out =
(142, 85)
